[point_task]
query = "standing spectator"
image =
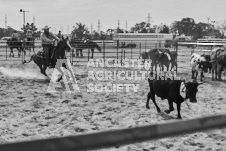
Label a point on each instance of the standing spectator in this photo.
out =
(59, 35)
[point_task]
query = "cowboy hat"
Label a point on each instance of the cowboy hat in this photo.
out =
(46, 27)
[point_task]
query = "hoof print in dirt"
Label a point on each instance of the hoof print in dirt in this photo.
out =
(66, 101)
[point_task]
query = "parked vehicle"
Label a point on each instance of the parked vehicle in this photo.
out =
(168, 43)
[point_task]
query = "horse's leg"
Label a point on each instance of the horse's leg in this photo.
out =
(66, 66)
(219, 70)
(29, 51)
(212, 72)
(81, 54)
(215, 70)
(167, 67)
(58, 67)
(21, 49)
(44, 70)
(196, 74)
(77, 52)
(92, 50)
(201, 76)
(18, 49)
(155, 66)
(162, 67)
(192, 73)
(12, 53)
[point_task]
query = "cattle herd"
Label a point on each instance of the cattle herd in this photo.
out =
(171, 89)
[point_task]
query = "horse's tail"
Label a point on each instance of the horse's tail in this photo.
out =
(32, 57)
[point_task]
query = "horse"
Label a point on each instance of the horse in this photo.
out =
(14, 43)
(218, 60)
(58, 54)
(80, 45)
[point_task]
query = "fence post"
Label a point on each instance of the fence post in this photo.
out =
(145, 45)
(131, 49)
(23, 51)
(121, 55)
(6, 51)
(117, 48)
(72, 52)
(88, 53)
(176, 58)
(192, 50)
(104, 51)
(124, 53)
(140, 48)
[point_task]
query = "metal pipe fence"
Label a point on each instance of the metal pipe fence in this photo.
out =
(116, 138)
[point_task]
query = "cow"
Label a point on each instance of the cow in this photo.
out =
(170, 90)
(163, 57)
(200, 63)
(218, 59)
(166, 58)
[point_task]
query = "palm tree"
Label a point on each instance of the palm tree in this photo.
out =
(80, 30)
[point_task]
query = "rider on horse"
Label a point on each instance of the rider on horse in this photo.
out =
(47, 39)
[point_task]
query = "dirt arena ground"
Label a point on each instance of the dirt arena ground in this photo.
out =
(28, 112)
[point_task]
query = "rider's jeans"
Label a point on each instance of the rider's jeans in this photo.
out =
(47, 49)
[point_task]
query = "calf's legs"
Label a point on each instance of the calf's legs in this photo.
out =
(178, 111)
(171, 108)
(152, 96)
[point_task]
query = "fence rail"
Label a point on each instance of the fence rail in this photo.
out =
(119, 137)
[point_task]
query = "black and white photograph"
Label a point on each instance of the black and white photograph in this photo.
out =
(113, 75)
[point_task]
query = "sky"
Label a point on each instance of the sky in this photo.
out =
(64, 14)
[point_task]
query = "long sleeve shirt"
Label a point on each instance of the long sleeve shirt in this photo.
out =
(46, 40)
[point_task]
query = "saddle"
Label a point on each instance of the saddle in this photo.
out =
(41, 53)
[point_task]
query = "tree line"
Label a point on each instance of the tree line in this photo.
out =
(186, 26)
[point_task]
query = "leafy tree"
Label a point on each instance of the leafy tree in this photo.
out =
(80, 30)
(118, 30)
(142, 27)
(96, 35)
(7, 32)
(222, 28)
(164, 29)
(186, 26)
(201, 29)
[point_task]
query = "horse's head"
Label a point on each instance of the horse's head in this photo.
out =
(98, 48)
(96, 45)
(66, 43)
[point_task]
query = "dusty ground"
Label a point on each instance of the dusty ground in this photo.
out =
(28, 112)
